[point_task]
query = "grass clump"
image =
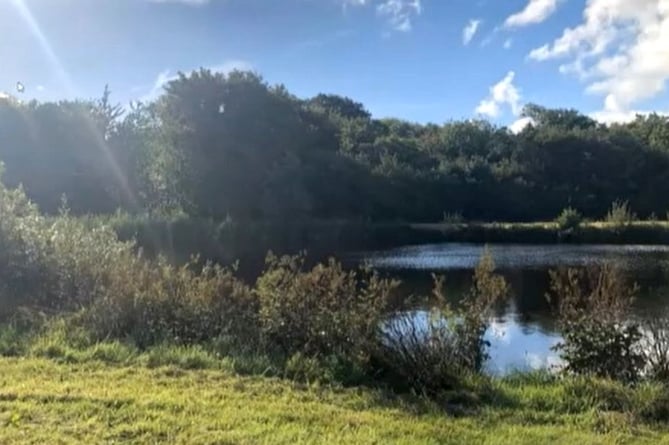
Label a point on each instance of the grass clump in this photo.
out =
(620, 214)
(569, 220)
(160, 302)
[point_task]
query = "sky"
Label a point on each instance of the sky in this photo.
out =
(420, 60)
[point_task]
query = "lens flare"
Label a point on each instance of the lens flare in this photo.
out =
(57, 67)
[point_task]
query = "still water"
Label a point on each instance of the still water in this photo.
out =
(523, 331)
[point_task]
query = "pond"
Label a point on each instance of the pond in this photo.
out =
(523, 330)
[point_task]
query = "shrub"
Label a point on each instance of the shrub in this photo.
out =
(56, 264)
(570, 219)
(158, 302)
(592, 308)
(433, 353)
(620, 214)
(655, 408)
(23, 251)
(323, 311)
(62, 264)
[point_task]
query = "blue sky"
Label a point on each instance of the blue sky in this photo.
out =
(422, 60)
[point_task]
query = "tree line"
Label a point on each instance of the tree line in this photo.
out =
(232, 146)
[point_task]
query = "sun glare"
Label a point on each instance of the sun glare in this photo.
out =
(63, 77)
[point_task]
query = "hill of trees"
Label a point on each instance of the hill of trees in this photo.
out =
(232, 146)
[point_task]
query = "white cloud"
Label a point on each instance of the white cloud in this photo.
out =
(185, 2)
(621, 50)
(508, 43)
(611, 117)
(398, 13)
(535, 12)
(40, 88)
(470, 31)
(488, 107)
(167, 76)
(355, 2)
(502, 93)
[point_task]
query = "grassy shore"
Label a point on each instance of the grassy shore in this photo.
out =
(598, 232)
(44, 401)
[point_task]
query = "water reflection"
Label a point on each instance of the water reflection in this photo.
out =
(516, 346)
(523, 332)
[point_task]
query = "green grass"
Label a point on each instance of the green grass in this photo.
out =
(43, 401)
(596, 232)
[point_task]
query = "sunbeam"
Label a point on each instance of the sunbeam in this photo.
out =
(65, 80)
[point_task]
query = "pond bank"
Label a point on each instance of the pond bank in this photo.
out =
(638, 232)
(248, 242)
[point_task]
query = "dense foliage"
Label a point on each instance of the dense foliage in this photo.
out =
(86, 286)
(593, 307)
(219, 146)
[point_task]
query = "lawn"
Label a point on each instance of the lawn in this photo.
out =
(43, 401)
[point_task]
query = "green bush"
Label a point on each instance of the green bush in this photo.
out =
(323, 311)
(24, 243)
(55, 264)
(592, 309)
(655, 408)
(569, 219)
(113, 352)
(620, 214)
(158, 302)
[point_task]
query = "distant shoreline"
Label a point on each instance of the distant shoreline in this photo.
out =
(637, 232)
